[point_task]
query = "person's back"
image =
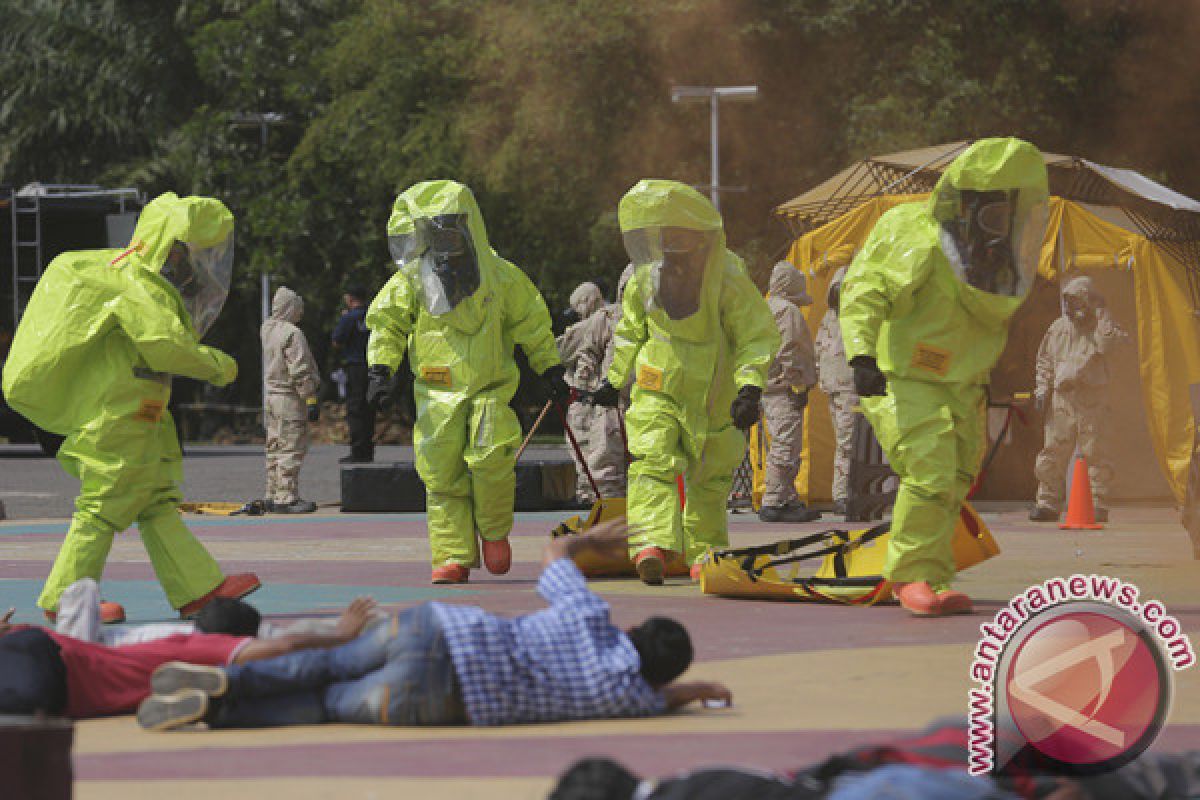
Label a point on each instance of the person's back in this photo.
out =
(96, 680)
(292, 383)
(288, 362)
(565, 662)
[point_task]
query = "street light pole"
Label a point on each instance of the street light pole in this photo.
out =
(714, 94)
(263, 121)
(714, 146)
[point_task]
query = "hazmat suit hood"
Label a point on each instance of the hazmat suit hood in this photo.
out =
(623, 281)
(1080, 293)
(436, 232)
(991, 206)
(676, 240)
(789, 283)
(188, 242)
(287, 305)
(587, 299)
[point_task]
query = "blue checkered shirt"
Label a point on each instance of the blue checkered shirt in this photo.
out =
(565, 662)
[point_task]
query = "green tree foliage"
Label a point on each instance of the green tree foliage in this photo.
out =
(552, 109)
(82, 85)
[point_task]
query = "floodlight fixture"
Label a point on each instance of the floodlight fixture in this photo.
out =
(713, 95)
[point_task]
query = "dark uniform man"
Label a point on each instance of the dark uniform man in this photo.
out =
(350, 339)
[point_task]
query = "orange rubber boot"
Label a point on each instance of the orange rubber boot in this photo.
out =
(952, 602)
(917, 598)
(651, 565)
(450, 573)
(234, 587)
(497, 556)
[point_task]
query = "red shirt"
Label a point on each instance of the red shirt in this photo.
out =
(114, 680)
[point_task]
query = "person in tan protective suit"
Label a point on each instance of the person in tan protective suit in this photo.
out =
(792, 374)
(836, 379)
(590, 354)
(586, 301)
(292, 381)
(1072, 392)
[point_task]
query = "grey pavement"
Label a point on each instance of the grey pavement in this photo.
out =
(34, 486)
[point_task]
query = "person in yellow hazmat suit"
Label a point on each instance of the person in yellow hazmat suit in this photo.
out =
(457, 309)
(93, 357)
(698, 338)
(924, 314)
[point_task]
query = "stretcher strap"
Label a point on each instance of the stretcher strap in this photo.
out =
(778, 548)
(842, 547)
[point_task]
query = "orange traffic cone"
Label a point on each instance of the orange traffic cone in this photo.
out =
(1081, 513)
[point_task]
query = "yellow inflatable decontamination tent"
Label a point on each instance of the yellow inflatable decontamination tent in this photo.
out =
(1140, 243)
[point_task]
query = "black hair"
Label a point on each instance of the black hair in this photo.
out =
(595, 779)
(357, 291)
(225, 615)
(664, 647)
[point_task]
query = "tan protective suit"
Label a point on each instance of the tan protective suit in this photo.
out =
(292, 378)
(605, 452)
(836, 379)
(792, 374)
(588, 422)
(1072, 366)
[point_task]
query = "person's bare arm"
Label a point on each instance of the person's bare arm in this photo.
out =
(349, 626)
(679, 695)
(611, 538)
(6, 621)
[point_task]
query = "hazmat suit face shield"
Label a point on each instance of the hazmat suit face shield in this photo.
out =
(677, 258)
(202, 276)
(996, 239)
(449, 266)
(404, 248)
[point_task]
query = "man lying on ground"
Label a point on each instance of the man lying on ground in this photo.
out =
(80, 617)
(44, 671)
(439, 664)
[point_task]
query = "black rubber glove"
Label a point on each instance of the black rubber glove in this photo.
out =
(404, 396)
(606, 395)
(868, 380)
(746, 408)
(314, 410)
(800, 398)
(379, 387)
(554, 383)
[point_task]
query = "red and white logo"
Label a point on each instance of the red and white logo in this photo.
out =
(1086, 688)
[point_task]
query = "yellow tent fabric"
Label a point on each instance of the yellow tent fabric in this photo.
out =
(1076, 240)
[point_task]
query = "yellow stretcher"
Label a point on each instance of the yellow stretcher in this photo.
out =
(221, 509)
(851, 568)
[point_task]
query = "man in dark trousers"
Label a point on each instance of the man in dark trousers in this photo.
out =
(350, 339)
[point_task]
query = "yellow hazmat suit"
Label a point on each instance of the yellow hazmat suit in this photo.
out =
(459, 331)
(694, 330)
(92, 359)
(928, 298)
